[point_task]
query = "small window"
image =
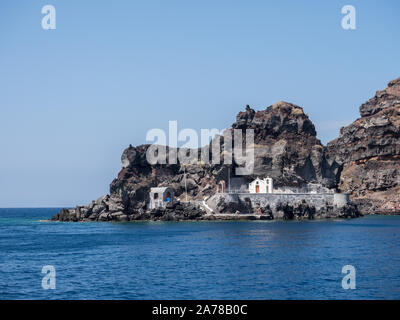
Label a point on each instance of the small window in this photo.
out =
(155, 196)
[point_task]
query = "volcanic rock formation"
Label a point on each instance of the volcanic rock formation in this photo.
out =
(366, 155)
(364, 161)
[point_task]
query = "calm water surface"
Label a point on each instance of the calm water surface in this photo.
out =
(198, 260)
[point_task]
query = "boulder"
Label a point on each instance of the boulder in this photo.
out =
(104, 216)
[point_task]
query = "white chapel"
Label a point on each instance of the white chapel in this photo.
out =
(265, 185)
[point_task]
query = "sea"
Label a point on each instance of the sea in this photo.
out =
(329, 259)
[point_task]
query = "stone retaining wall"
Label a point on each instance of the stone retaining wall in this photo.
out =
(318, 200)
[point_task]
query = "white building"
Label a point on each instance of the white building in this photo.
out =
(160, 197)
(265, 185)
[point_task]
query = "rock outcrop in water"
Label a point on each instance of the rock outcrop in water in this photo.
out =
(285, 147)
(363, 160)
(366, 155)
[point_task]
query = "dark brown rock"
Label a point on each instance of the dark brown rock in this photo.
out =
(367, 153)
(364, 160)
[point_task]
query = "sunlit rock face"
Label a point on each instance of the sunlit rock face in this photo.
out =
(367, 152)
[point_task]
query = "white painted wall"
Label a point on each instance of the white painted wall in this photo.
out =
(265, 185)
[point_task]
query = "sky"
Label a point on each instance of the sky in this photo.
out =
(71, 99)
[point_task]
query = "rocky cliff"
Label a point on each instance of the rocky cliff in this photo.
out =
(363, 160)
(285, 148)
(285, 145)
(366, 155)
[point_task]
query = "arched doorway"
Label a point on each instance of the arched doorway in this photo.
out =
(257, 188)
(168, 196)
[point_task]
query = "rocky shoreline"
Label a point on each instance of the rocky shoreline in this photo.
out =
(364, 162)
(99, 210)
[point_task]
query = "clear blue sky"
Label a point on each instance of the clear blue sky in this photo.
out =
(73, 98)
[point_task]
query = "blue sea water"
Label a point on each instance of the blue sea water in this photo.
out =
(198, 260)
